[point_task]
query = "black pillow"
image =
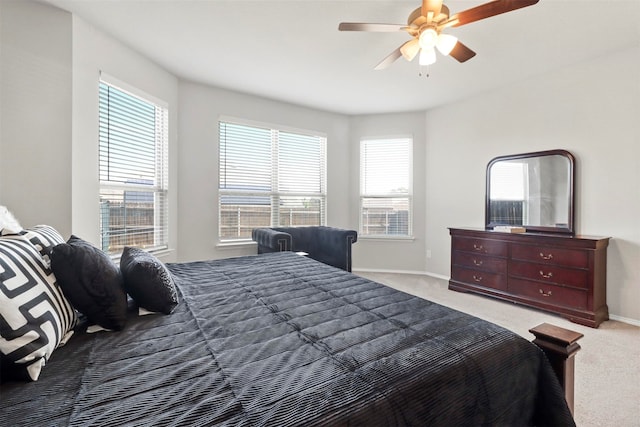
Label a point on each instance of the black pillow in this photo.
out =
(91, 281)
(148, 281)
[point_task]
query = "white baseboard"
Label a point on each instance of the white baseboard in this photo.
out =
(413, 272)
(437, 276)
(633, 322)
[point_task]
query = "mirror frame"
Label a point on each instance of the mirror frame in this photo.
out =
(569, 229)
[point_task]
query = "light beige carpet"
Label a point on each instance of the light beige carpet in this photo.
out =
(607, 386)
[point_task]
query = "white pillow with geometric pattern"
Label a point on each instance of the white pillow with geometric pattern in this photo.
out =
(44, 238)
(35, 316)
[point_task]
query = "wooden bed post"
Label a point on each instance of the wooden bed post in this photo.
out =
(560, 345)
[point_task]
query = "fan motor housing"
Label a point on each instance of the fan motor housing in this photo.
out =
(416, 18)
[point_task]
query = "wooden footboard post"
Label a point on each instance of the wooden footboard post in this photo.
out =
(560, 345)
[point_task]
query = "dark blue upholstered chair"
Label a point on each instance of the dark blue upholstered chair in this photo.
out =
(328, 245)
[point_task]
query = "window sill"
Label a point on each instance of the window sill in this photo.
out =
(158, 253)
(162, 252)
(387, 238)
(235, 245)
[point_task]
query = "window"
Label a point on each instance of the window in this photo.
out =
(269, 177)
(385, 187)
(133, 163)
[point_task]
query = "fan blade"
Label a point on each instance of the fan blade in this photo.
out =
(410, 49)
(461, 52)
(488, 10)
(363, 26)
(431, 6)
(390, 59)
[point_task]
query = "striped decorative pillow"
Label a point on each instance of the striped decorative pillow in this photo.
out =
(34, 314)
(44, 238)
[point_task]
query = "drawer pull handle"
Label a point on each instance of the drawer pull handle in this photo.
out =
(477, 278)
(478, 247)
(477, 263)
(546, 276)
(543, 256)
(545, 294)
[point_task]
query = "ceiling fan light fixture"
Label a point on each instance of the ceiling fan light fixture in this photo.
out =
(427, 56)
(410, 49)
(428, 39)
(446, 43)
(425, 25)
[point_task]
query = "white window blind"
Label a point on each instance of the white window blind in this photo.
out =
(386, 187)
(133, 163)
(269, 177)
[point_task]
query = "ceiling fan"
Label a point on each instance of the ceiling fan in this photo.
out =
(426, 25)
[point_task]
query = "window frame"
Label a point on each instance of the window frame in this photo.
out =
(408, 195)
(160, 187)
(275, 194)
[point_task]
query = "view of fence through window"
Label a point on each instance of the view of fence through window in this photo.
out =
(388, 216)
(238, 218)
(385, 187)
(133, 171)
(269, 177)
(128, 218)
(509, 180)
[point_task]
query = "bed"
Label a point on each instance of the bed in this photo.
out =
(280, 339)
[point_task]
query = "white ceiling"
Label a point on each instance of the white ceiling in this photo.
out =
(292, 50)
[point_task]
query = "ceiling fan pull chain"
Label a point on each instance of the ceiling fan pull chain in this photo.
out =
(422, 73)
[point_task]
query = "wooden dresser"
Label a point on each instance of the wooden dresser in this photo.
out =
(562, 274)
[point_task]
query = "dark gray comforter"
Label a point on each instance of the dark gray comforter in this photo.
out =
(279, 339)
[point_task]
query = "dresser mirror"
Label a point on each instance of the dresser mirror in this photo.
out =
(531, 190)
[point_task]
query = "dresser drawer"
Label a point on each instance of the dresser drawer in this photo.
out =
(480, 246)
(549, 273)
(480, 278)
(549, 294)
(479, 261)
(551, 255)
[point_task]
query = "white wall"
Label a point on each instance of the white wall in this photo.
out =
(2, 47)
(388, 254)
(48, 145)
(51, 64)
(200, 107)
(591, 109)
(93, 53)
(35, 138)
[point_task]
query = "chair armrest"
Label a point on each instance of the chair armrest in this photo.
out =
(334, 246)
(270, 240)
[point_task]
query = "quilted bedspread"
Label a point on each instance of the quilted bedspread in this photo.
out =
(282, 340)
